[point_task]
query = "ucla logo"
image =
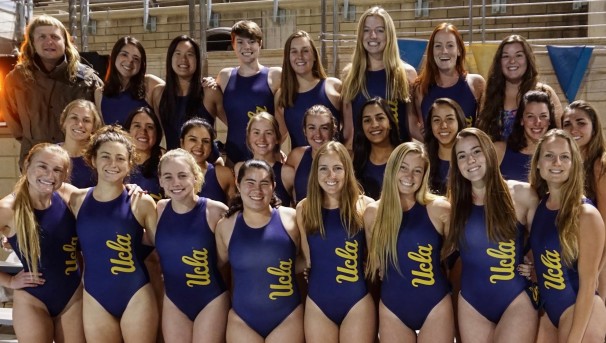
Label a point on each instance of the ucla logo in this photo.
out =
(349, 272)
(554, 277)
(393, 105)
(423, 276)
(71, 265)
(284, 287)
(506, 253)
(469, 121)
(124, 263)
(201, 272)
(258, 109)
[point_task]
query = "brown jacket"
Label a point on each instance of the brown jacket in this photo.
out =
(32, 108)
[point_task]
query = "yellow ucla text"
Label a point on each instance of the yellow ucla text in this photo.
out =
(393, 105)
(506, 253)
(284, 287)
(201, 272)
(348, 272)
(554, 278)
(124, 263)
(71, 265)
(258, 109)
(423, 276)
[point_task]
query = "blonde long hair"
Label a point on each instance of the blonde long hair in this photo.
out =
(355, 80)
(27, 229)
(567, 220)
(348, 201)
(383, 244)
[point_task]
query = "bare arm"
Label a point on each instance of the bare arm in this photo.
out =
(156, 97)
(223, 231)
(151, 81)
(274, 78)
(591, 250)
(223, 78)
(304, 244)
(477, 84)
(144, 209)
(348, 129)
(417, 98)
(439, 214)
(226, 180)
(214, 212)
(213, 102)
(279, 115)
(600, 182)
(98, 98)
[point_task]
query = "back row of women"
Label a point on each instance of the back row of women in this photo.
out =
(406, 233)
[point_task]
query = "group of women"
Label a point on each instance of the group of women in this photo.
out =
(400, 214)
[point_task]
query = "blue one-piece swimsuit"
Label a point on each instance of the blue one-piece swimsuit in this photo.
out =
(263, 268)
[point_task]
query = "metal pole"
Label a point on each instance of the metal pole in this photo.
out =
(335, 28)
(204, 11)
(483, 21)
(84, 22)
(192, 17)
(73, 22)
(323, 33)
(470, 21)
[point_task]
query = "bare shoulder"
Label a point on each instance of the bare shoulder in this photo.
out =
(223, 170)
(274, 72)
(286, 213)
(523, 193)
(411, 72)
(161, 206)
(546, 87)
(476, 82)
(216, 207)
(295, 156)
(143, 203)
(223, 77)
(346, 70)
(76, 199)
(151, 81)
(288, 216)
(590, 221)
(371, 210)
(299, 207)
(364, 201)
(439, 205)
(237, 168)
(274, 78)
(333, 82)
(6, 206)
(225, 226)
(215, 212)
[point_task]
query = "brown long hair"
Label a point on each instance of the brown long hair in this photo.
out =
(490, 120)
(289, 84)
(499, 210)
(594, 150)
